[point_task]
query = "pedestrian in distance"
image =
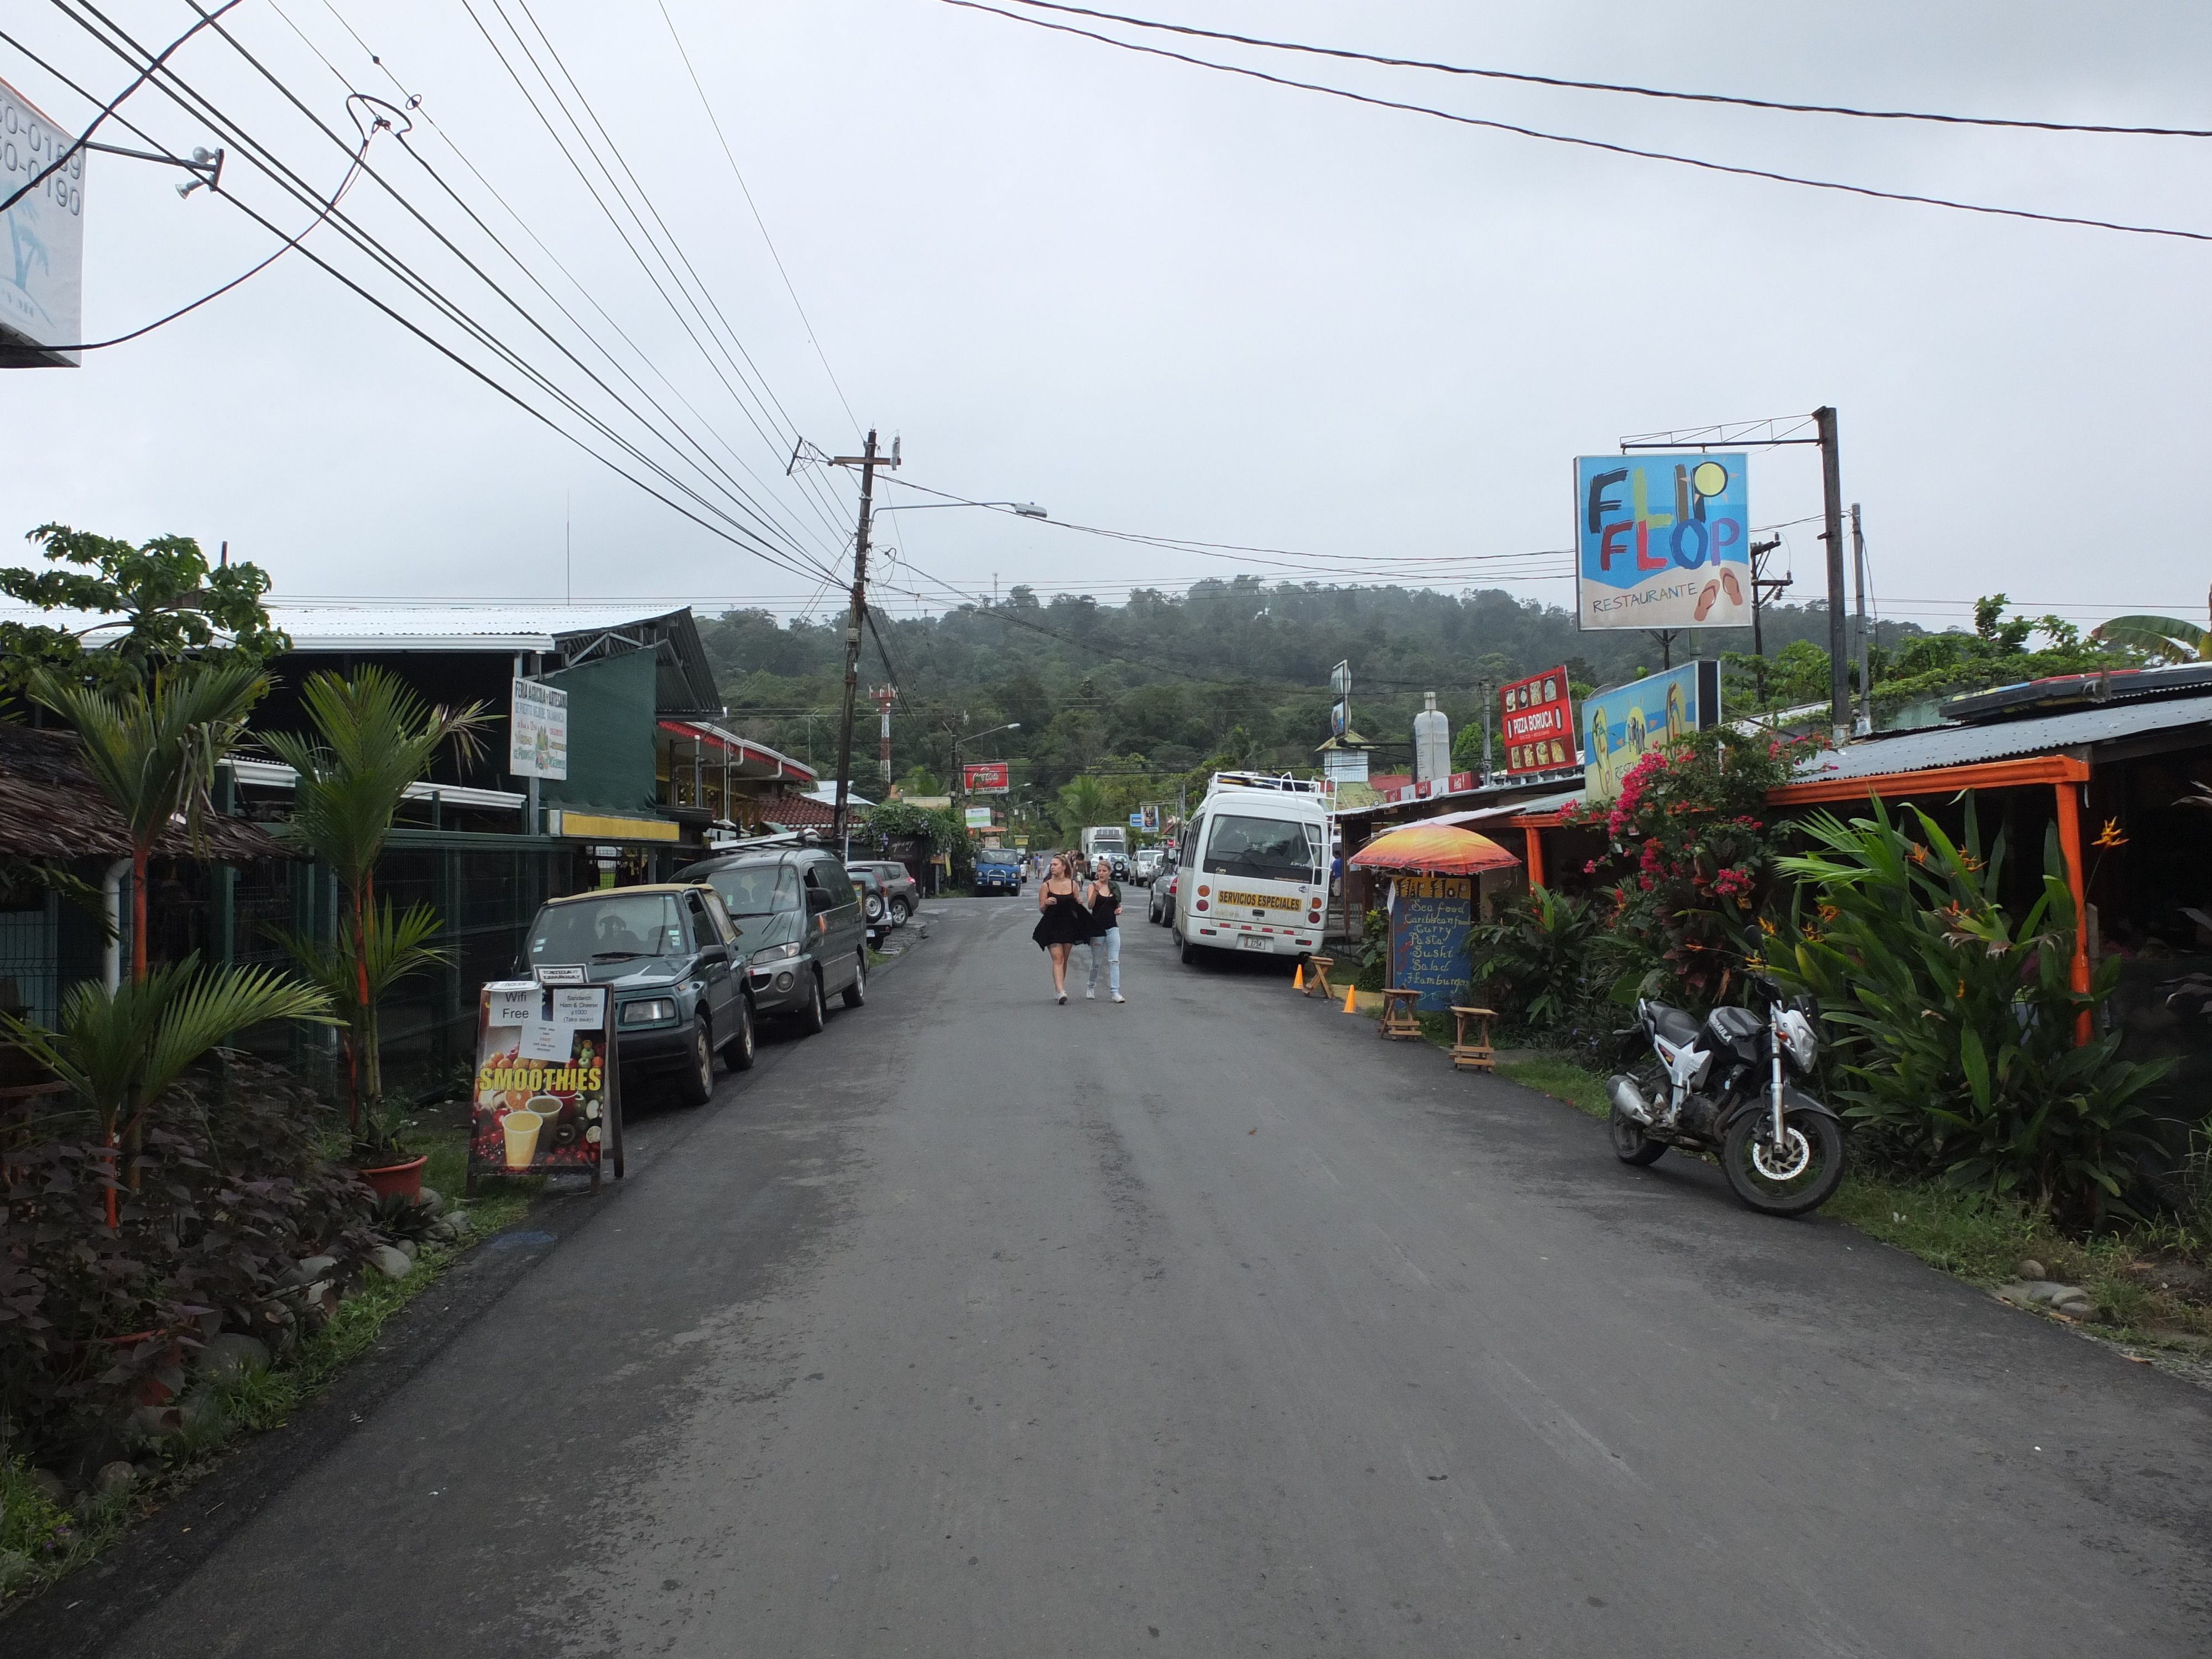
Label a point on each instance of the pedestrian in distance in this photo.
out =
(1063, 922)
(1102, 897)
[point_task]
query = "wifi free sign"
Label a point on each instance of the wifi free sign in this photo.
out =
(1662, 541)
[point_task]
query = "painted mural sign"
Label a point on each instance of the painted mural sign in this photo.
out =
(545, 1098)
(1536, 722)
(1662, 541)
(1622, 726)
(1429, 919)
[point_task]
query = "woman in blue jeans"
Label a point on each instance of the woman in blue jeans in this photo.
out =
(1103, 897)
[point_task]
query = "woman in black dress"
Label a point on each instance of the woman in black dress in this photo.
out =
(1063, 923)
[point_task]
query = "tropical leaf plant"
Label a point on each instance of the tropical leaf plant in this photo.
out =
(1956, 1020)
(374, 739)
(2163, 638)
(119, 1050)
(1534, 961)
(356, 970)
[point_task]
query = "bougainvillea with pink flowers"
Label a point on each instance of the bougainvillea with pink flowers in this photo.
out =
(1689, 862)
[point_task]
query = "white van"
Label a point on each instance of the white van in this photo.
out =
(1253, 870)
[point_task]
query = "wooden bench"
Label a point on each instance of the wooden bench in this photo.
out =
(1398, 1020)
(1317, 976)
(1473, 1056)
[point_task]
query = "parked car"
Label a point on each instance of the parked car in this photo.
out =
(801, 934)
(901, 891)
(998, 872)
(669, 956)
(1159, 902)
(1144, 865)
(875, 903)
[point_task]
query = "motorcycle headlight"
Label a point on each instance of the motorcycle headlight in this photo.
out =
(1798, 1039)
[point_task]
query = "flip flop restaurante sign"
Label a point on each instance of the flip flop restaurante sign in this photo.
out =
(1662, 541)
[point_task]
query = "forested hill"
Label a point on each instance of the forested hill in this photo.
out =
(1234, 672)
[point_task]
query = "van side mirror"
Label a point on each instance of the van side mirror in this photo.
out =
(818, 902)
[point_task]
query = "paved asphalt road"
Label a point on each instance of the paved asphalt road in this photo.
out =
(1208, 1325)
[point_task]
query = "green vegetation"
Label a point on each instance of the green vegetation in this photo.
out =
(42, 1540)
(1956, 1023)
(1561, 1078)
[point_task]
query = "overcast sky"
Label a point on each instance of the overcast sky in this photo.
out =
(1154, 297)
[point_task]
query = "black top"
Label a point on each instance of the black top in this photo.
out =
(1105, 906)
(1061, 920)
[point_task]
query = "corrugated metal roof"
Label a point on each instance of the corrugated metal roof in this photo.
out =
(407, 626)
(1968, 745)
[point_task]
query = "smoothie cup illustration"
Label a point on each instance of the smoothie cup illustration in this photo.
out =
(522, 1128)
(548, 1109)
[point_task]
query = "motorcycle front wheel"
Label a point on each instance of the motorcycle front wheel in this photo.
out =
(1629, 1143)
(1800, 1174)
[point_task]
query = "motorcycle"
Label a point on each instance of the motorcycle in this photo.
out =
(1720, 1087)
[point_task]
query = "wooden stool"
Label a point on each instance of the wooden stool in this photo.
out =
(1398, 1020)
(1473, 1056)
(1317, 976)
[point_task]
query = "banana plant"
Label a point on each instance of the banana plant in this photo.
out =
(120, 1049)
(2163, 638)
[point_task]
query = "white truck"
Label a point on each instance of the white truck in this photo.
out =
(1253, 870)
(1106, 839)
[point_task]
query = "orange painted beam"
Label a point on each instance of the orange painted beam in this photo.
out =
(1535, 853)
(2069, 846)
(1943, 780)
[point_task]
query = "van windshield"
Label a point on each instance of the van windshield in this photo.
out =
(757, 890)
(611, 929)
(1261, 850)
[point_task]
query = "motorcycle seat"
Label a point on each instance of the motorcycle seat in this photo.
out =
(1674, 1025)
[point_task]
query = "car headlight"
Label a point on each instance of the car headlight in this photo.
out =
(1798, 1039)
(649, 1011)
(760, 959)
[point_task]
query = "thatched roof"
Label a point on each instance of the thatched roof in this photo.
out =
(51, 810)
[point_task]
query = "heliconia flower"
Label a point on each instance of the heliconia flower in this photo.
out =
(2110, 836)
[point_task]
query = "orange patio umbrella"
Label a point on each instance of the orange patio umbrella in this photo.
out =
(1431, 849)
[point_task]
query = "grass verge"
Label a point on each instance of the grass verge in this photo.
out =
(2151, 1285)
(42, 1541)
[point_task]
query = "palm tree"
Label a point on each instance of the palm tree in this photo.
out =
(1083, 802)
(154, 754)
(374, 739)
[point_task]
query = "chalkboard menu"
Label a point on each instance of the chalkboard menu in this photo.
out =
(1429, 919)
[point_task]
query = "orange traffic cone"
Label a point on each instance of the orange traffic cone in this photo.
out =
(1299, 978)
(1350, 999)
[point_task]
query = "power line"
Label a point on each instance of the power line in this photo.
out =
(1612, 86)
(812, 338)
(1586, 143)
(177, 89)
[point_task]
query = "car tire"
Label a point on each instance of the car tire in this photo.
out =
(856, 994)
(695, 1084)
(813, 1017)
(741, 1050)
(874, 908)
(1189, 951)
(900, 911)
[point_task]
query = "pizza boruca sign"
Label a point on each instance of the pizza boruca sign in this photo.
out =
(1535, 718)
(1662, 541)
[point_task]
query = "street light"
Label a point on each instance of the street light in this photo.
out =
(1021, 509)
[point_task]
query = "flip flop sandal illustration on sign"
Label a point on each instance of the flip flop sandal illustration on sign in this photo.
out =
(1705, 601)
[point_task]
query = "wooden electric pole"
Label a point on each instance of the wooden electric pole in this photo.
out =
(867, 461)
(1839, 639)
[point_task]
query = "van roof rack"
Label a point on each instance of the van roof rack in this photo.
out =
(1278, 783)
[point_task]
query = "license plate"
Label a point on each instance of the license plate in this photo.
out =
(1254, 942)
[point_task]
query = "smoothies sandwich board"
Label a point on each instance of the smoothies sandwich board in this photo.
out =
(545, 1098)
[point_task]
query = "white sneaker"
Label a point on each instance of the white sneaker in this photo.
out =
(1118, 997)
(1090, 991)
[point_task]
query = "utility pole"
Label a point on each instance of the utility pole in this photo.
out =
(867, 462)
(1832, 502)
(1866, 654)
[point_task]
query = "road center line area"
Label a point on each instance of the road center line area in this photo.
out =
(1205, 1324)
